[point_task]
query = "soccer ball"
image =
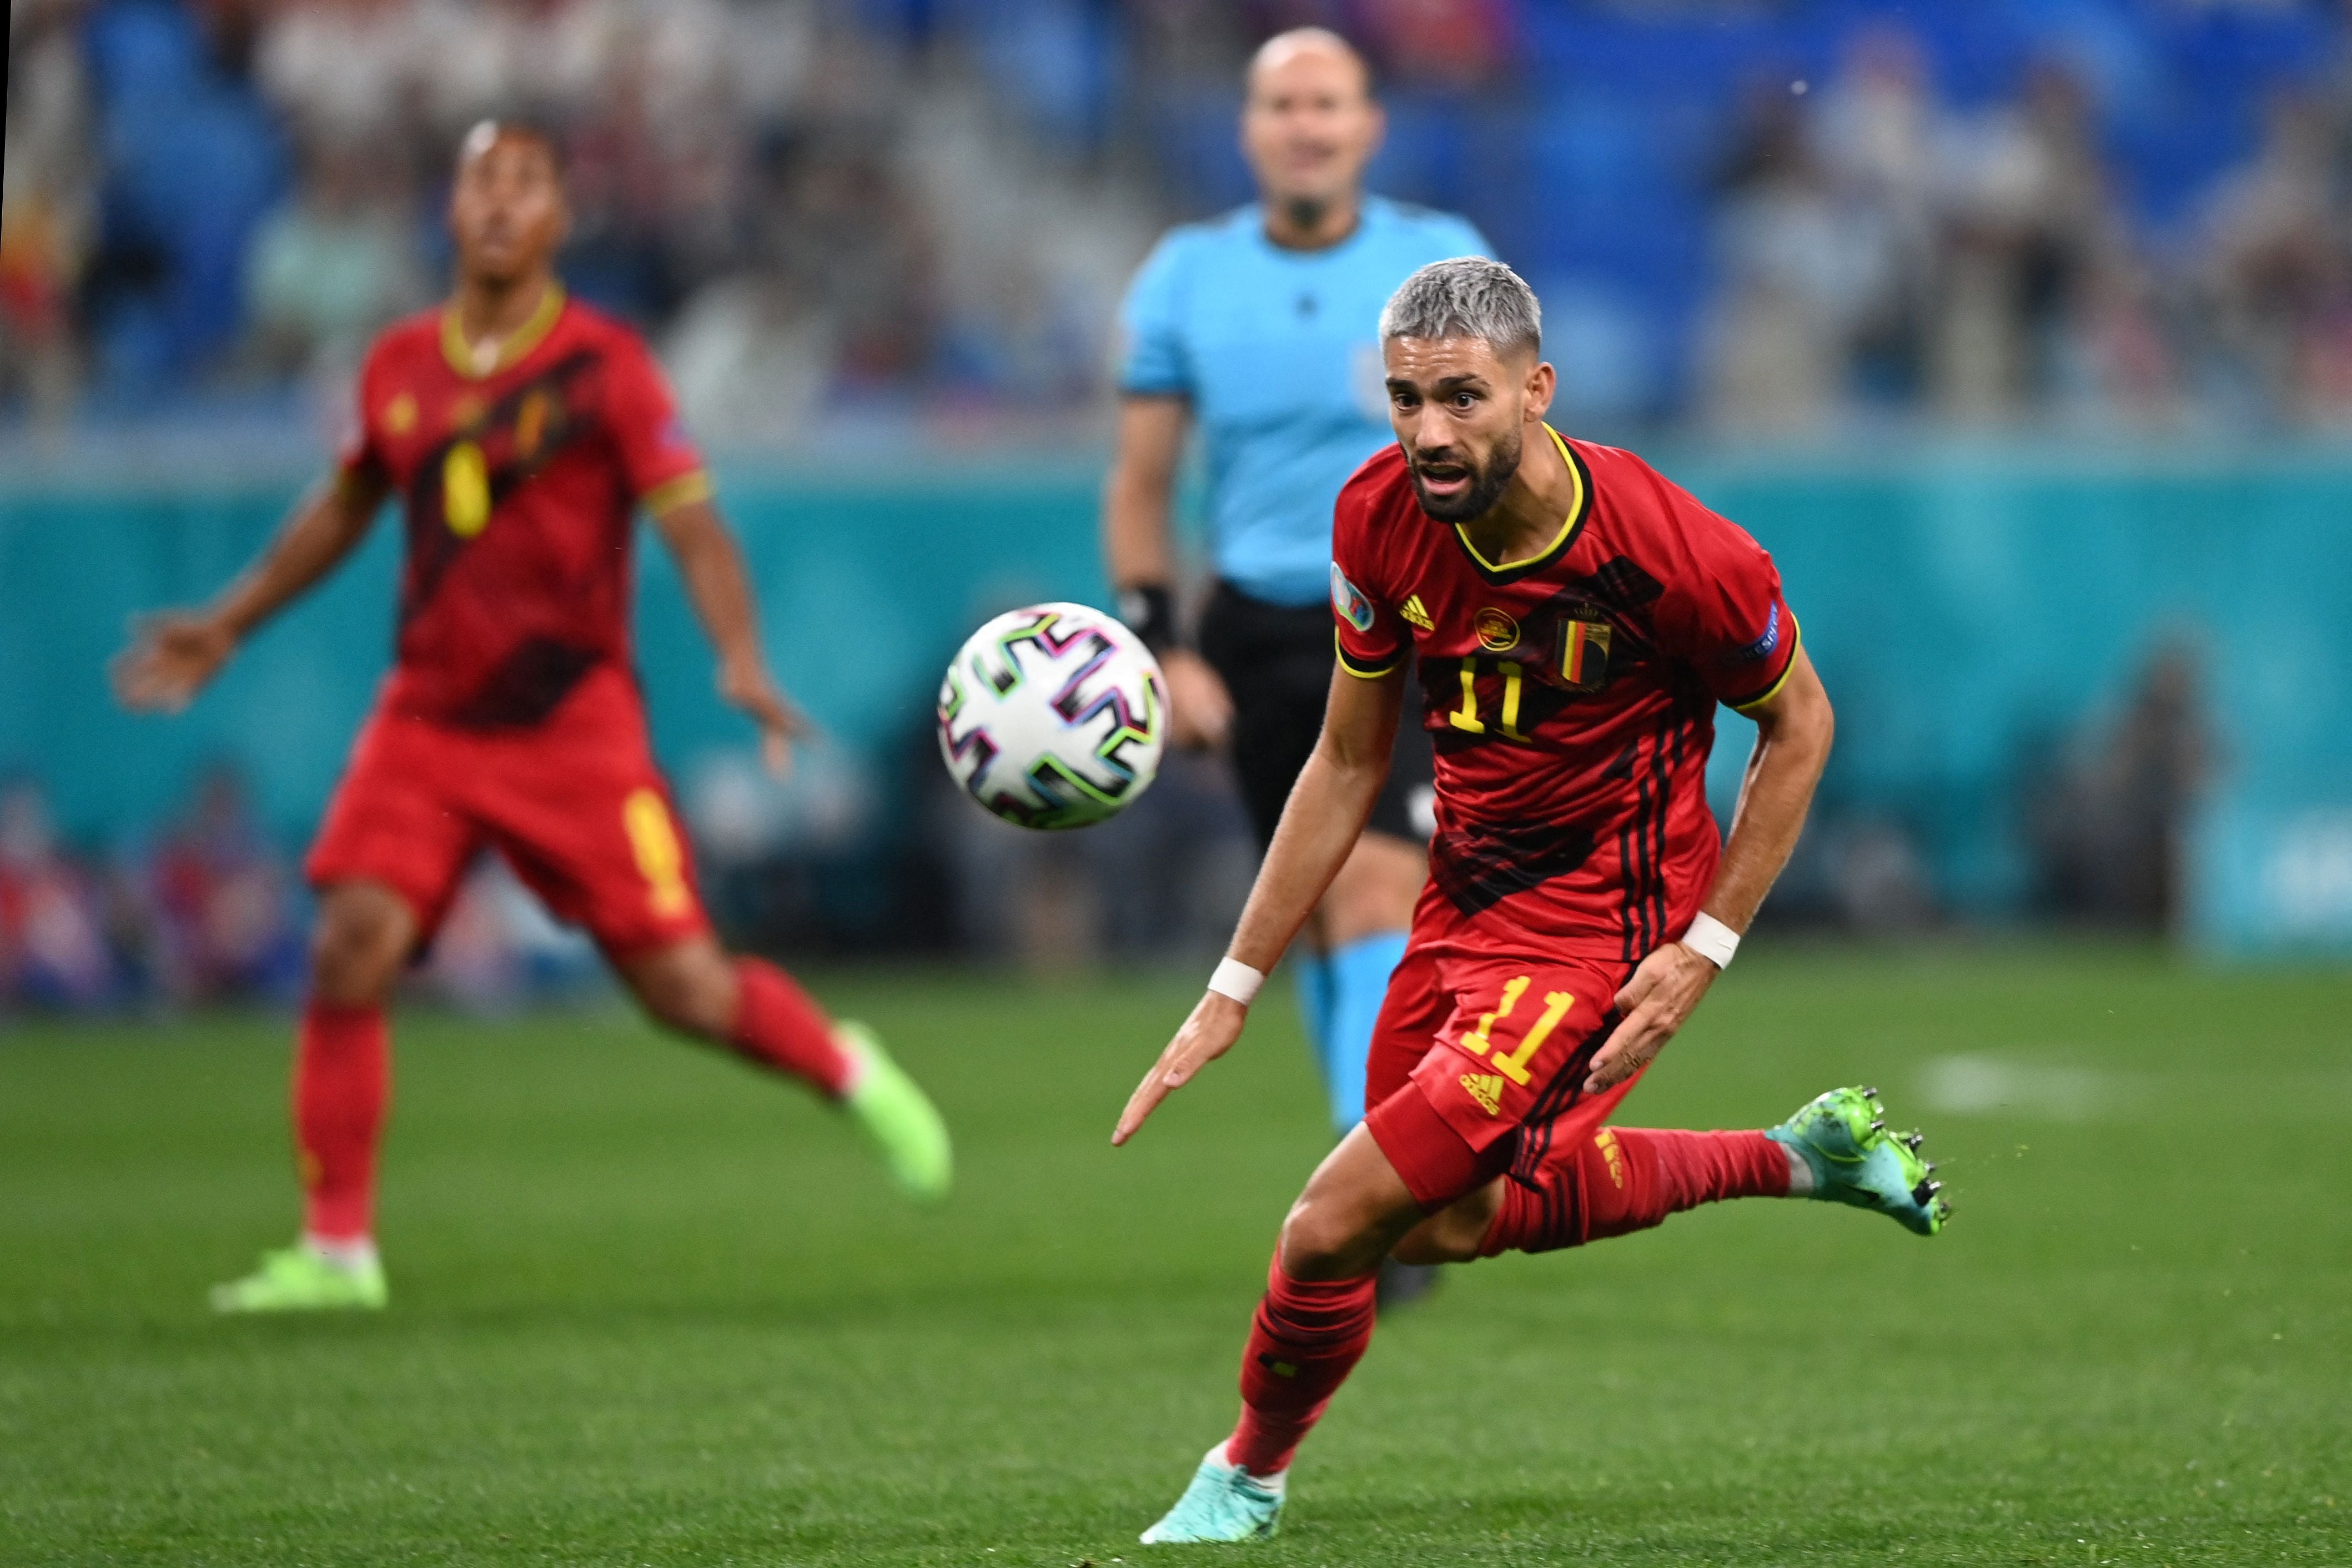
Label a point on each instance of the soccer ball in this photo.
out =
(1054, 716)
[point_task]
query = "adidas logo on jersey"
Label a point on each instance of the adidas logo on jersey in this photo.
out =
(1487, 1089)
(1412, 612)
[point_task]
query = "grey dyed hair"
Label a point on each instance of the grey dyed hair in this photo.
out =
(1468, 296)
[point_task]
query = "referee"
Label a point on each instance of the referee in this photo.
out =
(1261, 328)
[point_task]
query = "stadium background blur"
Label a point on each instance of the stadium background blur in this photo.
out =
(2021, 333)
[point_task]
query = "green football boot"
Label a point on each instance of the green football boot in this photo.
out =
(1225, 1502)
(1843, 1139)
(900, 1118)
(299, 1280)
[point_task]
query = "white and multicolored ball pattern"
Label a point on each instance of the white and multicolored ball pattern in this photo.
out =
(1054, 716)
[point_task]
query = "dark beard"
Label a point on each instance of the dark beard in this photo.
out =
(1487, 486)
(1304, 212)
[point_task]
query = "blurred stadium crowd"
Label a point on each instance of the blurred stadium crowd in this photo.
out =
(2116, 212)
(1825, 218)
(211, 910)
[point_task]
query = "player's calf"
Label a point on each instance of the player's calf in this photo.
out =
(1618, 1180)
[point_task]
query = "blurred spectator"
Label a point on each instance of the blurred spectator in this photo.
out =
(54, 951)
(834, 210)
(2029, 216)
(2108, 829)
(334, 263)
(48, 208)
(1805, 268)
(222, 904)
(497, 947)
(2277, 271)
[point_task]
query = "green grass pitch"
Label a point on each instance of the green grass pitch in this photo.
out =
(649, 1308)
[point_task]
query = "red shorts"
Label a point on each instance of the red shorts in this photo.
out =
(575, 804)
(1478, 1065)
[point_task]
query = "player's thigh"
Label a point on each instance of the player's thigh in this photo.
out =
(1407, 808)
(1507, 1062)
(1456, 1233)
(1277, 663)
(1354, 1210)
(583, 815)
(398, 820)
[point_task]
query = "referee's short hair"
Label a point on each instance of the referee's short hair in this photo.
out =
(1468, 296)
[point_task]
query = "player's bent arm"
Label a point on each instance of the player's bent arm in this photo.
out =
(1793, 731)
(1320, 824)
(1137, 498)
(326, 527)
(173, 655)
(720, 591)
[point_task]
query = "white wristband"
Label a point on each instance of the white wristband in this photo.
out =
(1236, 980)
(1712, 940)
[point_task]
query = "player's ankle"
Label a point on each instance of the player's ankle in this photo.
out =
(351, 1254)
(1801, 1180)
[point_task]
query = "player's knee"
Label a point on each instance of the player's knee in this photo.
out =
(358, 947)
(690, 991)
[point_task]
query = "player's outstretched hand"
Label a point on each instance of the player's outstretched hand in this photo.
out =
(1215, 1024)
(1656, 1002)
(172, 657)
(751, 690)
(1199, 708)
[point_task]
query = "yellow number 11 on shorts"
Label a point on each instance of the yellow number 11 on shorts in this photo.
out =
(1480, 1041)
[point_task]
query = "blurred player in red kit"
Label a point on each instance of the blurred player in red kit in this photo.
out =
(1574, 619)
(522, 433)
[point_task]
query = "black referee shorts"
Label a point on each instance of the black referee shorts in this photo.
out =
(1276, 660)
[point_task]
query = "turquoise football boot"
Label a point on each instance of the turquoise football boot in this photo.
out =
(1225, 1502)
(1843, 1139)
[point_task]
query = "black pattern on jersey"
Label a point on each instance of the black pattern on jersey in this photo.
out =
(1557, 1223)
(1649, 763)
(525, 686)
(1478, 867)
(433, 545)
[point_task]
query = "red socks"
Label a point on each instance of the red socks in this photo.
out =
(778, 1026)
(1625, 1179)
(342, 1079)
(1308, 1336)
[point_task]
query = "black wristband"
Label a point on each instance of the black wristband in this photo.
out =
(1150, 611)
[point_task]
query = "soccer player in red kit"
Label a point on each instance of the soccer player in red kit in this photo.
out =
(523, 432)
(1575, 618)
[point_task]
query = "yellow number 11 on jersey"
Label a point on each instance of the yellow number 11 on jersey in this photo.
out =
(1480, 1041)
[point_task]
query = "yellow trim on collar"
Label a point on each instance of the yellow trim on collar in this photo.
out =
(518, 343)
(683, 490)
(1575, 512)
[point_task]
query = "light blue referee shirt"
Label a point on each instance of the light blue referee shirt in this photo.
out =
(1278, 352)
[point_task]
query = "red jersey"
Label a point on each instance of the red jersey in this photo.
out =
(1570, 697)
(518, 480)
